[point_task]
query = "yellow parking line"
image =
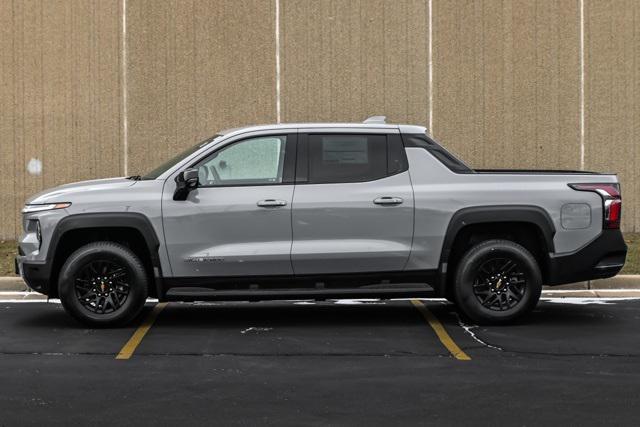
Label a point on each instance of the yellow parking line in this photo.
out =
(130, 347)
(440, 331)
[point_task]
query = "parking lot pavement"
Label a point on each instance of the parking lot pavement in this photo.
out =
(347, 362)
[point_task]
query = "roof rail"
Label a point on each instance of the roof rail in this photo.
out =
(380, 120)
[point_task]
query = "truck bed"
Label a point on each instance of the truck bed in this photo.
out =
(538, 171)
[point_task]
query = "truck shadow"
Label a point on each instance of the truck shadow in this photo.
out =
(329, 314)
(305, 315)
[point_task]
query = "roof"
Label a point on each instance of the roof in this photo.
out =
(372, 125)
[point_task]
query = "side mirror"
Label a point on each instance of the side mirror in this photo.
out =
(190, 176)
(186, 181)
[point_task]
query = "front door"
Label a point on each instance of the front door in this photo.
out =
(353, 204)
(238, 221)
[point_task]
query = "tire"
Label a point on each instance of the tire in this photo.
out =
(103, 284)
(497, 282)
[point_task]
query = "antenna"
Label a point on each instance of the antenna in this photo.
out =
(380, 120)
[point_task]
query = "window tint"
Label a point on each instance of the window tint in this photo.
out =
(346, 158)
(397, 158)
(446, 158)
(254, 161)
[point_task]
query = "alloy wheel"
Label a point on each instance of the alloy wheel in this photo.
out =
(500, 284)
(102, 286)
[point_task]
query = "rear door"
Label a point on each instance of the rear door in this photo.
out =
(352, 204)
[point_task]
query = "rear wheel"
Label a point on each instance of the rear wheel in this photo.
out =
(497, 281)
(103, 284)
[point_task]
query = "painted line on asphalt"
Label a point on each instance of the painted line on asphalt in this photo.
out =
(440, 331)
(130, 347)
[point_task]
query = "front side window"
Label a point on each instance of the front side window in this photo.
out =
(253, 161)
(347, 158)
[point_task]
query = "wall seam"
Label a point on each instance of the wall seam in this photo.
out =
(430, 63)
(277, 37)
(581, 96)
(42, 100)
(123, 71)
(14, 112)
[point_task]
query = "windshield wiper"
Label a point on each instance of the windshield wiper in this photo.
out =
(135, 177)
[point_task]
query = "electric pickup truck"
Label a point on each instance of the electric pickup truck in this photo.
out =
(320, 211)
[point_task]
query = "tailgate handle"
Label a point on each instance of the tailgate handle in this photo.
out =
(271, 203)
(386, 200)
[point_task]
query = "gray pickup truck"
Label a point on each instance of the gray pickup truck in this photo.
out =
(320, 211)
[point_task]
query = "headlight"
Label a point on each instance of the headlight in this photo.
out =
(38, 233)
(48, 207)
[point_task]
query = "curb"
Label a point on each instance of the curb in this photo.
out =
(601, 293)
(12, 284)
(625, 281)
(624, 285)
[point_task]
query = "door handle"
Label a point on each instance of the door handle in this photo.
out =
(386, 200)
(271, 203)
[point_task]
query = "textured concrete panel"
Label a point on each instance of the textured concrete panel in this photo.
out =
(8, 112)
(194, 68)
(344, 60)
(612, 86)
(59, 97)
(506, 82)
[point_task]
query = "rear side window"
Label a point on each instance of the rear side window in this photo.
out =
(346, 158)
(446, 158)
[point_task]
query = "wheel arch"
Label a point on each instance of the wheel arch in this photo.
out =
(534, 221)
(116, 226)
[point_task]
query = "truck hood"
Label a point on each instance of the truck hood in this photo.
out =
(65, 193)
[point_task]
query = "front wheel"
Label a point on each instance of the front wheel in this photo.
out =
(103, 284)
(497, 281)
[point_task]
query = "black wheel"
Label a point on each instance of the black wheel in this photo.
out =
(103, 284)
(497, 281)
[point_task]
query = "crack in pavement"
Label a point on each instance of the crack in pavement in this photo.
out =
(467, 328)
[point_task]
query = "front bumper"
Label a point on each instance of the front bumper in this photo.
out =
(601, 258)
(35, 274)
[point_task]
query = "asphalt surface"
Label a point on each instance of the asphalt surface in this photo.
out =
(572, 361)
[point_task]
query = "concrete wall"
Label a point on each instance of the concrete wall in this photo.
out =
(101, 88)
(506, 82)
(193, 68)
(59, 97)
(612, 97)
(344, 60)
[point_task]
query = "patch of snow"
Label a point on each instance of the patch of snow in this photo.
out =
(585, 301)
(255, 329)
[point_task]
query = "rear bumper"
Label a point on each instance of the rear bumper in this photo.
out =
(603, 257)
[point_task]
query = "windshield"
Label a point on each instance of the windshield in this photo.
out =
(175, 160)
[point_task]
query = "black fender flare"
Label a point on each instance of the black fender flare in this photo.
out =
(491, 214)
(133, 220)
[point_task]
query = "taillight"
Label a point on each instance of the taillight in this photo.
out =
(611, 201)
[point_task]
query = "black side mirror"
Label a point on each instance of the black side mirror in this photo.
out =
(190, 176)
(186, 181)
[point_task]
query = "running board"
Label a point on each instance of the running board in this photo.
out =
(205, 294)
